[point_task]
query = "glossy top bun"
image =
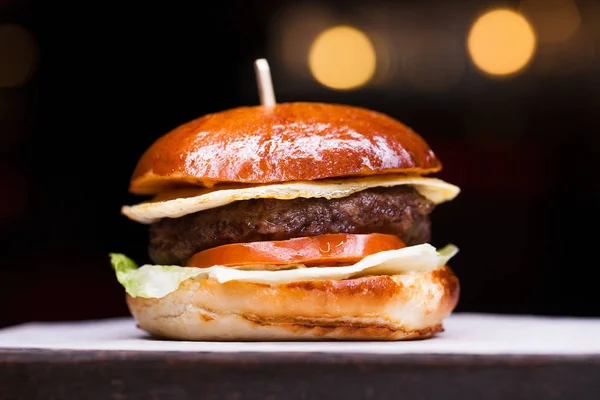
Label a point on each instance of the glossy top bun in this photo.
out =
(289, 142)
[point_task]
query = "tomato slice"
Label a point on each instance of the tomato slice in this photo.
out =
(327, 249)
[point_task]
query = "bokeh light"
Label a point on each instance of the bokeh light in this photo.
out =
(501, 42)
(18, 55)
(554, 21)
(342, 58)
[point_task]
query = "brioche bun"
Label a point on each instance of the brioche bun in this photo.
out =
(369, 308)
(289, 142)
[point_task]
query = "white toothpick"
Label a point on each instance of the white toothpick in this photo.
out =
(264, 82)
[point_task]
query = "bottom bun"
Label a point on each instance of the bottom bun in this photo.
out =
(381, 307)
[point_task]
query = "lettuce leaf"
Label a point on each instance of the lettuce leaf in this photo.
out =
(150, 280)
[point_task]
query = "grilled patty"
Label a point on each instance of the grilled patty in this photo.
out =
(398, 210)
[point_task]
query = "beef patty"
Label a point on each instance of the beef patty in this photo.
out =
(398, 210)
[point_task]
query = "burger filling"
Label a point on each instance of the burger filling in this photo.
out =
(398, 210)
(156, 281)
(288, 232)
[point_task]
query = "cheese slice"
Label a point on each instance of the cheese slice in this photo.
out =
(157, 281)
(414, 259)
(179, 203)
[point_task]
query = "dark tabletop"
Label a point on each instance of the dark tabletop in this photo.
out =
(83, 374)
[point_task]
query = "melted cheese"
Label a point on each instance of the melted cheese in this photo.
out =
(183, 202)
(408, 260)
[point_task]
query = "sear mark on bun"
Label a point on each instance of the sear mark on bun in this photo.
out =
(399, 210)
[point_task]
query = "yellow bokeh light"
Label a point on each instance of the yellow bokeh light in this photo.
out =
(501, 42)
(342, 58)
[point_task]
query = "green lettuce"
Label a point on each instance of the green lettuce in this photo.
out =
(150, 280)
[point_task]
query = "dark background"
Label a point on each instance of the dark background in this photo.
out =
(106, 80)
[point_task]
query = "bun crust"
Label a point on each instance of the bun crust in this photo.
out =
(289, 142)
(379, 307)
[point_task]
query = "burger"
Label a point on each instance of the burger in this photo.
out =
(300, 221)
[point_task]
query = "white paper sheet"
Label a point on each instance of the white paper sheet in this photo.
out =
(465, 334)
